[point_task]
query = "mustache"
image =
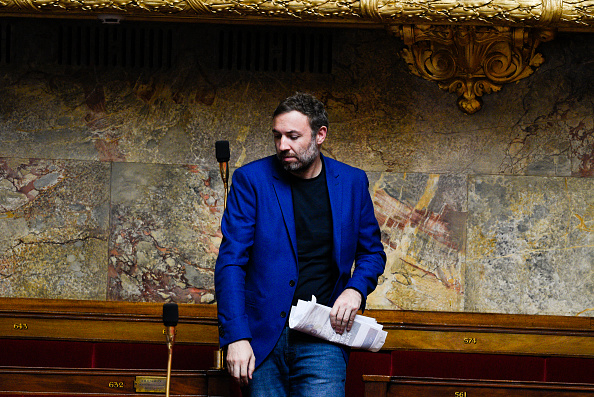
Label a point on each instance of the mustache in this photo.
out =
(286, 153)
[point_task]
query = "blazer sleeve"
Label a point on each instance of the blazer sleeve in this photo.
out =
(370, 258)
(237, 227)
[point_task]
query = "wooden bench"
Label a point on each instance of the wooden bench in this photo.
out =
(394, 386)
(33, 381)
(94, 337)
(84, 348)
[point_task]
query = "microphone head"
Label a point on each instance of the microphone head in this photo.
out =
(222, 151)
(170, 314)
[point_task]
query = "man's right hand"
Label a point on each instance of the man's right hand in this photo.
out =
(241, 361)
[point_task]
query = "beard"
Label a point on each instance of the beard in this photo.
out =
(305, 158)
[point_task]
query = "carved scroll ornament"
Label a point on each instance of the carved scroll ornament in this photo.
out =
(472, 60)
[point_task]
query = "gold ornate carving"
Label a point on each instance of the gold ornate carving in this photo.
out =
(199, 6)
(551, 11)
(370, 8)
(472, 60)
(568, 14)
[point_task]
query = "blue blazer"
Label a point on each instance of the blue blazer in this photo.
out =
(257, 268)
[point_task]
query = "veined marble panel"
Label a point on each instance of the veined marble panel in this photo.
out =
(381, 117)
(422, 218)
(530, 245)
(165, 233)
(582, 147)
(53, 228)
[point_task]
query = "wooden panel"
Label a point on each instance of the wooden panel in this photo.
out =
(376, 389)
(103, 321)
(39, 381)
(385, 386)
(487, 333)
(116, 330)
(428, 331)
(494, 342)
(483, 321)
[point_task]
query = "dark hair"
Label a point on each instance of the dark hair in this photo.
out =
(308, 105)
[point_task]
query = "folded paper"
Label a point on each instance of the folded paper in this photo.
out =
(314, 319)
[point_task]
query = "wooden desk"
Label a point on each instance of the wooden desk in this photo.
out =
(94, 325)
(393, 386)
(19, 381)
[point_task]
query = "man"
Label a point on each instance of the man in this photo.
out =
(293, 227)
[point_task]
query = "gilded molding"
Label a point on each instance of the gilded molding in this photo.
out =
(472, 60)
(569, 15)
(552, 11)
(199, 6)
(370, 9)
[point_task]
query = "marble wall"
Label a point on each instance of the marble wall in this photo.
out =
(110, 190)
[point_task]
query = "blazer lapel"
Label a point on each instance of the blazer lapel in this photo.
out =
(336, 194)
(285, 201)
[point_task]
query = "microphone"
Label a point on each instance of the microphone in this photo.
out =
(223, 155)
(170, 319)
(222, 151)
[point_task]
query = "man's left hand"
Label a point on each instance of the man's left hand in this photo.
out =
(344, 310)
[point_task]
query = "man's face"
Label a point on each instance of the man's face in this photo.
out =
(295, 147)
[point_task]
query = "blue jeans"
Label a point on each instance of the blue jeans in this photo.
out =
(300, 365)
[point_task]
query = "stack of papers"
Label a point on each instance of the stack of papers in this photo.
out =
(314, 319)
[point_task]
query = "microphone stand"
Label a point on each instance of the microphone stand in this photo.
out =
(170, 339)
(223, 155)
(224, 170)
(170, 319)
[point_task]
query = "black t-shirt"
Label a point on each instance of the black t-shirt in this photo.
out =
(313, 223)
